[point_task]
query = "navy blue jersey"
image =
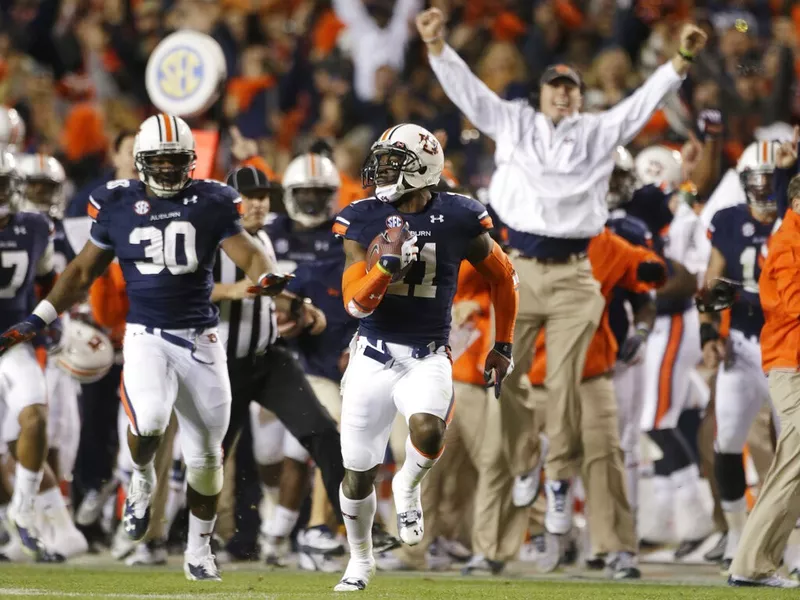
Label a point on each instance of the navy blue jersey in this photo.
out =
(416, 310)
(651, 205)
(63, 252)
(321, 281)
(635, 231)
(739, 238)
(166, 247)
(295, 245)
(23, 255)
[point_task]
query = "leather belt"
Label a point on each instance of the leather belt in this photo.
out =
(557, 260)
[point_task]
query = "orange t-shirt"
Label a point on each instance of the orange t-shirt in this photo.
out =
(109, 302)
(614, 264)
(471, 341)
(779, 288)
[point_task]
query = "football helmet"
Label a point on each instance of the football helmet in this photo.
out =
(659, 166)
(164, 154)
(12, 129)
(623, 179)
(86, 352)
(9, 183)
(756, 168)
(311, 188)
(43, 180)
(406, 157)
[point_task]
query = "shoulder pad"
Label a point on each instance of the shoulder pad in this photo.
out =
(215, 188)
(116, 188)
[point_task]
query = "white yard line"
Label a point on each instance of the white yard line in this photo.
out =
(221, 595)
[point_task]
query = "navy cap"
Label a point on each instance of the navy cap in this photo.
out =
(249, 179)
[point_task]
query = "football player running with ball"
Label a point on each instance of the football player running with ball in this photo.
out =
(403, 250)
(165, 230)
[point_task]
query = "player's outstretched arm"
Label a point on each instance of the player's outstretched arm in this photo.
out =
(680, 285)
(251, 258)
(490, 261)
(69, 289)
(362, 290)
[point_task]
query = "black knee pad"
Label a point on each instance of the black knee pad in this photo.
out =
(689, 426)
(676, 454)
(729, 472)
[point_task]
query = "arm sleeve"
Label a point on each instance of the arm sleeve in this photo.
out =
(108, 299)
(787, 280)
(350, 224)
(626, 119)
(99, 234)
(485, 109)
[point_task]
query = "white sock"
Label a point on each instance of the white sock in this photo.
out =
(176, 497)
(54, 507)
(282, 522)
(414, 470)
(358, 518)
(26, 485)
(199, 533)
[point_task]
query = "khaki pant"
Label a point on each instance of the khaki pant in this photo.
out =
(474, 437)
(608, 513)
(163, 463)
(773, 518)
(566, 300)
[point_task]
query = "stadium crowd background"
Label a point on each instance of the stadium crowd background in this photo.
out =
(305, 71)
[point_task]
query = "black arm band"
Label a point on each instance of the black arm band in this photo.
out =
(708, 333)
(504, 349)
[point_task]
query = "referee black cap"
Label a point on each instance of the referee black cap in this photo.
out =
(247, 180)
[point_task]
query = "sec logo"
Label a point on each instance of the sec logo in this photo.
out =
(142, 207)
(180, 73)
(748, 229)
(394, 221)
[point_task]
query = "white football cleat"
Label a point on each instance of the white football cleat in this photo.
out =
(136, 514)
(356, 576)
(410, 522)
(201, 565)
(527, 487)
(558, 518)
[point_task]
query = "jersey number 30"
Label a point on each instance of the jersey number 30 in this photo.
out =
(420, 281)
(174, 249)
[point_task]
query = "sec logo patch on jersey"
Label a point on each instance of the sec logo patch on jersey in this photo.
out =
(142, 207)
(393, 221)
(185, 72)
(748, 229)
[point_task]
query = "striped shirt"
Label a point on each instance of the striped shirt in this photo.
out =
(248, 326)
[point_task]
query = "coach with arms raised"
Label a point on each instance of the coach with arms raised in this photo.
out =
(553, 169)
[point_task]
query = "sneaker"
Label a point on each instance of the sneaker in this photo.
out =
(548, 552)
(148, 554)
(795, 574)
(201, 565)
(769, 581)
(320, 540)
(717, 553)
(22, 524)
(596, 563)
(276, 551)
(91, 507)
(136, 515)
(480, 564)
(558, 518)
(725, 567)
(382, 540)
(527, 487)
(623, 566)
(454, 549)
(437, 558)
(356, 577)
(121, 545)
(686, 547)
(321, 563)
(389, 561)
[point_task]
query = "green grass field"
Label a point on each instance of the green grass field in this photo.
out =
(83, 581)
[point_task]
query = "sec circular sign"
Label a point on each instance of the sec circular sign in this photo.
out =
(185, 73)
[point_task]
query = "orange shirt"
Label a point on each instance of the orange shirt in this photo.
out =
(779, 288)
(472, 340)
(109, 302)
(614, 264)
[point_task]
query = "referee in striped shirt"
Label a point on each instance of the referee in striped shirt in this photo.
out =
(260, 370)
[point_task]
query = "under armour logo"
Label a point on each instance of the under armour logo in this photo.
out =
(375, 296)
(192, 200)
(437, 218)
(20, 230)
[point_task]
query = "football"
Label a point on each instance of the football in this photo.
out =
(388, 242)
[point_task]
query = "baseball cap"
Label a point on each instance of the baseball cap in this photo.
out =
(249, 179)
(561, 71)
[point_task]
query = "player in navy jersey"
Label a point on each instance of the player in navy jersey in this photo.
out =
(26, 257)
(737, 235)
(311, 186)
(399, 360)
(165, 230)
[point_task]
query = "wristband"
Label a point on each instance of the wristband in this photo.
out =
(383, 269)
(504, 349)
(708, 333)
(686, 55)
(44, 312)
